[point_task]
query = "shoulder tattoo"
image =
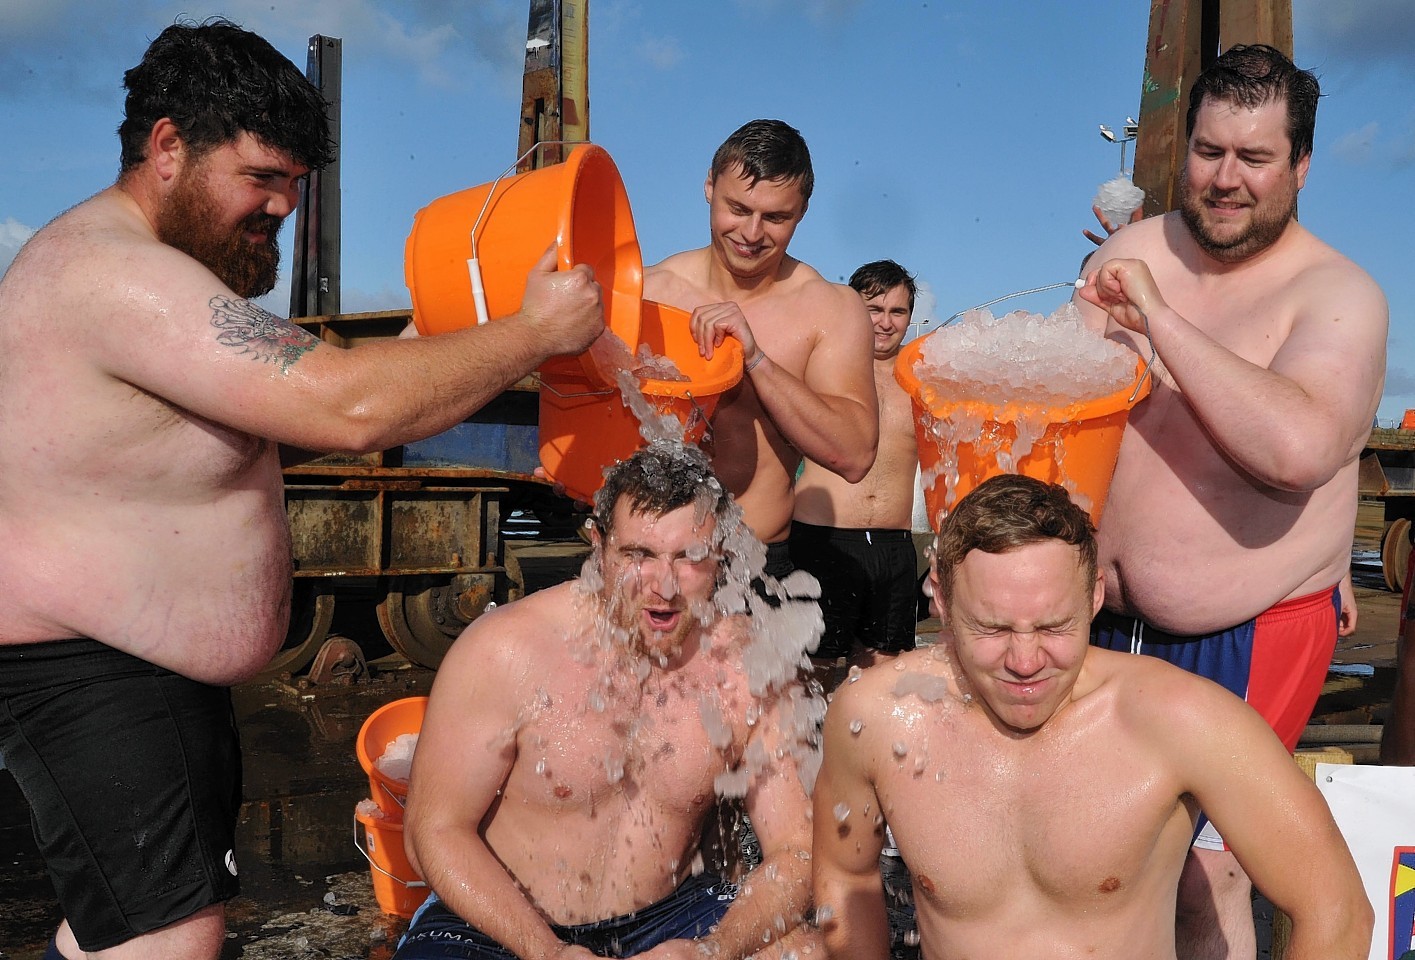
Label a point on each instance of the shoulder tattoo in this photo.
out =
(263, 335)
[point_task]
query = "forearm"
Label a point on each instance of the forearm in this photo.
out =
(1343, 938)
(1271, 427)
(475, 886)
(772, 902)
(839, 433)
(390, 392)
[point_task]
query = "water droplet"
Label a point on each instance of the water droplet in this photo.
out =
(900, 749)
(856, 726)
(842, 811)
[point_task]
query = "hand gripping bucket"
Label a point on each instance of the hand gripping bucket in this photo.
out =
(396, 887)
(508, 223)
(382, 727)
(1078, 449)
(585, 428)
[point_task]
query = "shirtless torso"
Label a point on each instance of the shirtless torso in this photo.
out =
(1051, 843)
(884, 499)
(142, 403)
(1235, 486)
(812, 393)
(586, 781)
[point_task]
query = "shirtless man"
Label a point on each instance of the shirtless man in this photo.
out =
(143, 400)
(1234, 497)
(856, 538)
(575, 741)
(807, 388)
(1044, 792)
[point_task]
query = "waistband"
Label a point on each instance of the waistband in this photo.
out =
(1293, 608)
(871, 535)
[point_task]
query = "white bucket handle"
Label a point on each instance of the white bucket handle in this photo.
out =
(360, 845)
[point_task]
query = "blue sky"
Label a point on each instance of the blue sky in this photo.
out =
(958, 137)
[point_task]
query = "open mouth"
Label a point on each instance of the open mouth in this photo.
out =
(662, 620)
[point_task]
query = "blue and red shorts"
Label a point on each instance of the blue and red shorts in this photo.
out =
(1277, 661)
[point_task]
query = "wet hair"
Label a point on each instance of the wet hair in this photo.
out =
(215, 81)
(1008, 512)
(881, 276)
(767, 150)
(1252, 75)
(658, 479)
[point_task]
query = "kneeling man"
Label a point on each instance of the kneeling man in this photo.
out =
(577, 740)
(1044, 792)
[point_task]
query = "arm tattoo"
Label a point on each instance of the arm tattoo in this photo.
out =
(263, 335)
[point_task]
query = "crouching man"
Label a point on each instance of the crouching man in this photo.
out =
(1044, 792)
(577, 740)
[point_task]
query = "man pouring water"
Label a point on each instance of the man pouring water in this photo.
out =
(1230, 517)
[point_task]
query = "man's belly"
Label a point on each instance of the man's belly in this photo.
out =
(208, 600)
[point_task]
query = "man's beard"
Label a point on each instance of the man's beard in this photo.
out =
(1264, 227)
(187, 222)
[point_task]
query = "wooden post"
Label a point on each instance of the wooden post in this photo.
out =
(1185, 37)
(555, 102)
(314, 275)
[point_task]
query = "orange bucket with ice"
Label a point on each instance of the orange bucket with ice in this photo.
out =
(383, 727)
(1076, 445)
(584, 429)
(505, 226)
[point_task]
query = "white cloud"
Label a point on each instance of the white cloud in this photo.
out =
(663, 53)
(13, 235)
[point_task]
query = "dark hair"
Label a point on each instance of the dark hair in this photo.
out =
(658, 479)
(767, 150)
(215, 80)
(1007, 512)
(1251, 75)
(881, 276)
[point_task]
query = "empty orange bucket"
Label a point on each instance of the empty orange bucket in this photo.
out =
(585, 428)
(382, 727)
(396, 887)
(580, 204)
(1078, 448)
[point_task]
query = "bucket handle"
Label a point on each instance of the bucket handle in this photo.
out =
(474, 263)
(574, 396)
(360, 844)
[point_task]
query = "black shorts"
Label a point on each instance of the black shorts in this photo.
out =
(869, 592)
(133, 777)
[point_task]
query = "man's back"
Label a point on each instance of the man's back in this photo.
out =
(100, 475)
(1204, 506)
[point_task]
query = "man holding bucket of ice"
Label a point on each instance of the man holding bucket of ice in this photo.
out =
(807, 388)
(577, 740)
(144, 399)
(1229, 521)
(1044, 792)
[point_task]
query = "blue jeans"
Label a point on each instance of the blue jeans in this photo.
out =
(691, 911)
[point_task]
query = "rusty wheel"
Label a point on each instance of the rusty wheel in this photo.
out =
(311, 613)
(1395, 553)
(421, 616)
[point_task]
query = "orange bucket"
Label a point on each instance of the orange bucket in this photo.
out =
(585, 428)
(580, 204)
(1078, 448)
(383, 726)
(396, 886)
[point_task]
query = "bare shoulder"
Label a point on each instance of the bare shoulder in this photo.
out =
(671, 280)
(1155, 699)
(1328, 280)
(510, 640)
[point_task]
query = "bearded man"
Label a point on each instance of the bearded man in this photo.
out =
(577, 740)
(143, 401)
(1229, 521)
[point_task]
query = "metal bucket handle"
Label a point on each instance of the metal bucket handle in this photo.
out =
(360, 845)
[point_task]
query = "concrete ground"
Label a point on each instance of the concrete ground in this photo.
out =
(306, 890)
